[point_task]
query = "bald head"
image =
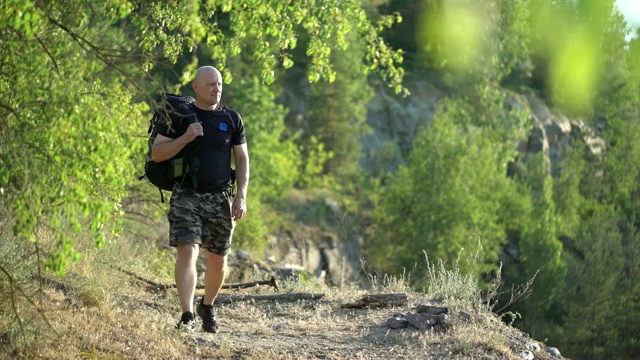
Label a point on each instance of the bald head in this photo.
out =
(208, 87)
(206, 70)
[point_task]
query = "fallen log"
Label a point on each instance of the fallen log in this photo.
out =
(227, 299)
(378, 301)
(271, 282)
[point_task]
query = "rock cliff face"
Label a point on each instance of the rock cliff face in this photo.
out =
(553, 133)
(395, 122)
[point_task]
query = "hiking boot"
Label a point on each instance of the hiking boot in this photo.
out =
(208, 316)
(187, 320)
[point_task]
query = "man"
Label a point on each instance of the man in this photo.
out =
(202, 212)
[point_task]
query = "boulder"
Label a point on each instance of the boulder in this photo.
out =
(397, 321)
(422, 321)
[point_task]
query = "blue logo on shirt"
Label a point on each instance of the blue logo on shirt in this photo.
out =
(223, 126)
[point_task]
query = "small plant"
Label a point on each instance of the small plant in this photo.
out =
(389, 283)
(516, 294)
(91, 294)
(451, 285)
(302, 282)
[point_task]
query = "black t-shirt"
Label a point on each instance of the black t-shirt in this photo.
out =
(222, 129)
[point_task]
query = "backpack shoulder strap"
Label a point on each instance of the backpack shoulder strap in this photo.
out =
(192, 148)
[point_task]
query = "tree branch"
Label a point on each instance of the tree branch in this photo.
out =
(13, 298)
(90, 47)
(141, 216)
(46, 50)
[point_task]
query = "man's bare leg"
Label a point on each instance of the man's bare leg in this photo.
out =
(213, 276)
(186, 275)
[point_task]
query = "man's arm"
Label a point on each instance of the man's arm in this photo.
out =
(164, 148)
(241, 158)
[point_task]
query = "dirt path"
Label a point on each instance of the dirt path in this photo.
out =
(324, 330)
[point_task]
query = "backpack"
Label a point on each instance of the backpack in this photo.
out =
(164, 174)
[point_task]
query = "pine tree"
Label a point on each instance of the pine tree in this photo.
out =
(540, 249)
(595, 268)
(337, 109)
(622, 190)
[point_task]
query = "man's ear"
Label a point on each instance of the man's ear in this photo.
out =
(194, 86)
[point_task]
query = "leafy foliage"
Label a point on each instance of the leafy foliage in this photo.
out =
(71, 68)
(69, 132)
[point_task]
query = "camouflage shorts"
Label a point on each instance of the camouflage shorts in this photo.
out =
(201, 218)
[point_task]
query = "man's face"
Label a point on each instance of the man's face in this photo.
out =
(208, 87)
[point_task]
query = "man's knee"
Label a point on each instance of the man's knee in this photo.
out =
(216, 262)
(187, 252)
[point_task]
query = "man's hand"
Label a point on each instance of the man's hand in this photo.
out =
(239, 208)
(193, 131)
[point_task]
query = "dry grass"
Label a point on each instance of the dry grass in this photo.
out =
(97, 312)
